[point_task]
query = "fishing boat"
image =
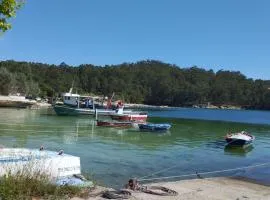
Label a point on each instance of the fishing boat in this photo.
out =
(154, 127)
(75, 104)
(114, 124)
(241, 138)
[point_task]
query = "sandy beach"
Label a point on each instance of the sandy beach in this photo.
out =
(204, 189)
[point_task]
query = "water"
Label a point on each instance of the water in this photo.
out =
(244, 116)
(113, 155)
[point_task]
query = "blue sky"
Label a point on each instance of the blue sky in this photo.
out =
(228, 34)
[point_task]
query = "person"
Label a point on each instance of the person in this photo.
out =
(90, 103)
(119, 104)
(132, 184)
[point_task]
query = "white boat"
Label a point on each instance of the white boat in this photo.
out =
(241, 138)
(31, 161)
(120, 115)
(75, 104)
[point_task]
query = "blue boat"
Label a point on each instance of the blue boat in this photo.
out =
(154, 127)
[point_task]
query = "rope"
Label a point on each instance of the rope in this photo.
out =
(205, 173)
(119, 194)
(166, 169)
(134, 185)
(165, 191)
(158, 172)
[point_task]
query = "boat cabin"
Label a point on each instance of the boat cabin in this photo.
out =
(71, 99)
(76, 100)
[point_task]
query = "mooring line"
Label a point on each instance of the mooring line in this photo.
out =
(205, 173)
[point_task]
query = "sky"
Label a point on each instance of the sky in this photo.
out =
(212, 34)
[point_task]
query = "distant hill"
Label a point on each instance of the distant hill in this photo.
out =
(149, 81)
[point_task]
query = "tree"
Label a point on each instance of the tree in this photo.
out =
(5, 81)
(8, 10)
(150, 82)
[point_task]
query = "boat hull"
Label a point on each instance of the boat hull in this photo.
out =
(114, 124)
(65, 110)
(20, 160)
(238, 142)
(154, 127)
(239, 139)
(134, 118)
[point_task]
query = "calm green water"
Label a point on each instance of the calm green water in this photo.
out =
(112, 156)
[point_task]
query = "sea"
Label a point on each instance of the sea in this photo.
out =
(111, 156)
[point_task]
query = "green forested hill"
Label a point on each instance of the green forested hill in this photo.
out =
(150, 82)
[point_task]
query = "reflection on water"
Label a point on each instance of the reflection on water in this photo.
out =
(238, 150)
(114, 155)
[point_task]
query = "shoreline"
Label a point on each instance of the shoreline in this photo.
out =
(21, 102)
(14, 101)
(220, 188)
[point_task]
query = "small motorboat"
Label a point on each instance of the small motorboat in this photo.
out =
(154, 127)
(132, 117)
(241, 138)
(114, 124)
(140, 117)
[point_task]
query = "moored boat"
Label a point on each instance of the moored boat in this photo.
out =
(75, 104)
(130, 117)
(61, 109)
(241, 138)
(154, 127)
(120, 115)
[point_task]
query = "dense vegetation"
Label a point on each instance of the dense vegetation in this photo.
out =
(149, 82)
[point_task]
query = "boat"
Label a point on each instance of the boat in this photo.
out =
(140, 117)
(114, 124)
(75, 104)
(61, 168)
(241, 138)
(120, 115)
(53, 164)
(154, 127)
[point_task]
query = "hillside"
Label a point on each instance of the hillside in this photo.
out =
(149, 82)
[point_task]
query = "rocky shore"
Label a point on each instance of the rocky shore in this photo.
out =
(21, 102)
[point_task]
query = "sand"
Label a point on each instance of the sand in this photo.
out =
(205, 189)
